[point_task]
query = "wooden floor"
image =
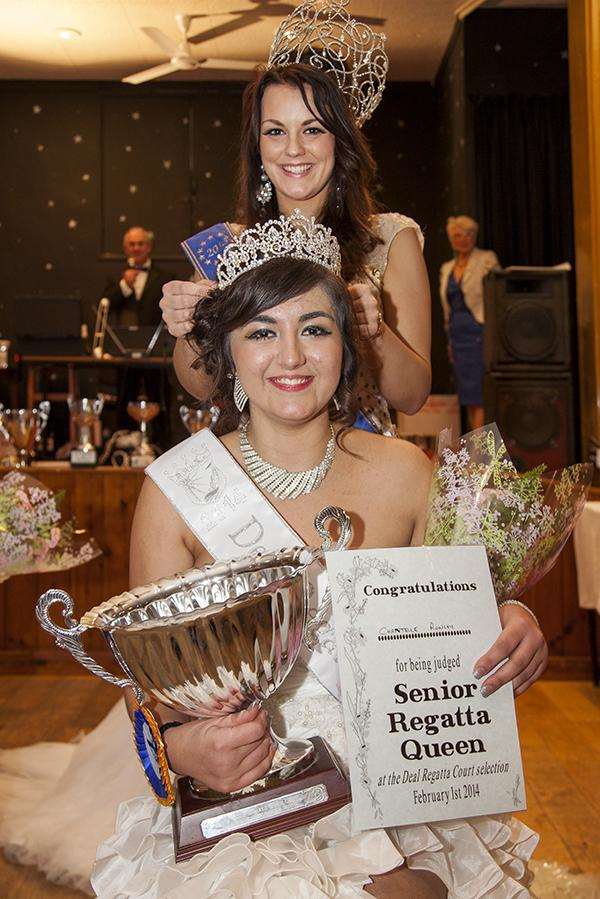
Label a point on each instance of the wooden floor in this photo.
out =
(560, 737)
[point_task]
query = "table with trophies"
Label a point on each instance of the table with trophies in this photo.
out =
(99, 487)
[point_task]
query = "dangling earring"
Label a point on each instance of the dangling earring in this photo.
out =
(335, 402)
(240, 397)
(265, 191)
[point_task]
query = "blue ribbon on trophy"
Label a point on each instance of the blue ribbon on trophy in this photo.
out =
(151, 751)
(203, 249)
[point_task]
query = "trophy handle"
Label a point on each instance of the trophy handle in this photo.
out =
(44, 411)
(3, 430)
(328, 545)
(343, 519)
(69, 638)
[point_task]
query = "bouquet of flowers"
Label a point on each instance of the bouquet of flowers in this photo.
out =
(33, 534)
(523, 520)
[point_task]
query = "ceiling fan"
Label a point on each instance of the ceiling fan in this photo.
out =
(180, 54)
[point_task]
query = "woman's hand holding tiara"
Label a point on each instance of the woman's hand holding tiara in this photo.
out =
(367, 309)
(178, 302)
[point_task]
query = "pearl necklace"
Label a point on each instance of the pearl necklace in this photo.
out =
(280, 482)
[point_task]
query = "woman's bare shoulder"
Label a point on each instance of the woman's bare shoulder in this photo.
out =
(398, 463)
(161, 542)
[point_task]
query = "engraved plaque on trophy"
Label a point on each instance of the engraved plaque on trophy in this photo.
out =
(211, 641)
(202, 415)
(23, 427)
(143, 412)
(85, 414)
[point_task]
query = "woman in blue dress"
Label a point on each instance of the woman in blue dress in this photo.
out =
(461, 293)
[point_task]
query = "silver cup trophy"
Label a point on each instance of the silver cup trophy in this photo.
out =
(143, 412)
(85, 413)
(209, 642)
(203, 415)
(23, 427)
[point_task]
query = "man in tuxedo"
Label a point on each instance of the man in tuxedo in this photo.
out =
(134, 298)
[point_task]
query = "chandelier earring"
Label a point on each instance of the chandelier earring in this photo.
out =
(240, 397)
(265, 191)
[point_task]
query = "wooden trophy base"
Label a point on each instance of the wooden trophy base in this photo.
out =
(317, 791)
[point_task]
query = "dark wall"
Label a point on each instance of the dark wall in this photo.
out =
(510, 59)
(516, 51)
(404, 138)
(454, 173)
(84, 161)
(519, 92)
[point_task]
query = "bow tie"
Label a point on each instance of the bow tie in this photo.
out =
(142, 268)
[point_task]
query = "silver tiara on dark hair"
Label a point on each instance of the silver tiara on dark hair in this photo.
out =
(293, 236)
(322, 34)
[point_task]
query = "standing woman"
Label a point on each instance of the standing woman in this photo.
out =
(302, 148)
(461, 293)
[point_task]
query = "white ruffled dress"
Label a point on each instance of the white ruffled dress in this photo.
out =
(59, 801)
(484, 856)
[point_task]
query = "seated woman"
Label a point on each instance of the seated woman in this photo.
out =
(278, 339)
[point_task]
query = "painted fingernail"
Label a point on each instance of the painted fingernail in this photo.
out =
(478, 673)
(485, 690)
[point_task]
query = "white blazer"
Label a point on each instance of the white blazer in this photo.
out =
(479, 264)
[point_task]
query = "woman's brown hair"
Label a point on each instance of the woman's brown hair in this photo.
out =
(350, 203)
(223, 310)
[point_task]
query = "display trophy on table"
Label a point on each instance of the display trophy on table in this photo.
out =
(206, 643)
(85, 416)
(23, 428)
(143, 412)
(202, 415)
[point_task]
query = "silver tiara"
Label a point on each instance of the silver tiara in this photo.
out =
(323, 35)
(293, 236)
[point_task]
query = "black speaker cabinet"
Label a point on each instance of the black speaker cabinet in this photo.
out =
(527, 320)
(535, 417)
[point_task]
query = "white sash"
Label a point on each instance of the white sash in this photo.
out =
(229, 515)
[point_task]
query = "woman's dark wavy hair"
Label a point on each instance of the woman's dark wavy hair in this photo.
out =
(255, 291)
(348, 210)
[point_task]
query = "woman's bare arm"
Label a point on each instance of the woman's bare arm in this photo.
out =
(195, 380)
(178, 303)
(401, 354)
(160, 542)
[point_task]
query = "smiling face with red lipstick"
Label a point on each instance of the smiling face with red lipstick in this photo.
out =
(297, 152)
(289, 358)
(286, 330)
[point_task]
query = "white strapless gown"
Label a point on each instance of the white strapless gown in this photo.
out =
(75, 790)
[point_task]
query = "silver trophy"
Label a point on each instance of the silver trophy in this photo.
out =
(143, 412)
(85, 415)
(23, 427)
(203, 415)
(209, 642)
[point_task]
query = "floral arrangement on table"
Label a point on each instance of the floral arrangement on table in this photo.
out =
(478, 497)
(34, 537)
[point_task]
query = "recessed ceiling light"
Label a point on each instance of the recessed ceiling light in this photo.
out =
(68, 34)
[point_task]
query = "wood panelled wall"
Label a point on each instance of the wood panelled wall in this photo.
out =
(103, 501)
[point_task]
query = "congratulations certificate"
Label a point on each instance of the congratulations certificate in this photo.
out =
(424, 744)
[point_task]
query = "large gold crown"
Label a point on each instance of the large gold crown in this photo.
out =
(294, 236)
(321, 33)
